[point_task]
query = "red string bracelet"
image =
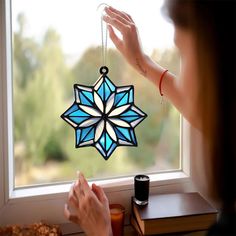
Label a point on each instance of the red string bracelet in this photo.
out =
(160, 82)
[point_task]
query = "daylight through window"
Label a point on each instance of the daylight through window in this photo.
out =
(57, 44)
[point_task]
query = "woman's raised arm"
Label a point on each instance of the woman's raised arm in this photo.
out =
(130, 47)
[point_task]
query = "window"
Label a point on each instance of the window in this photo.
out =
(35, 60)
(55, 52)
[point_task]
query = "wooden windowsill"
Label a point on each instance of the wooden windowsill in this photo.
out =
(129, 231)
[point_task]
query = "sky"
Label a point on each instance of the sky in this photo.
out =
(78, 22)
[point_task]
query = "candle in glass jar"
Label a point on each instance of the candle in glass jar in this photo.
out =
(141, 189)
(117, 213)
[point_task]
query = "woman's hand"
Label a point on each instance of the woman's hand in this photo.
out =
(89, 208)
(129, 45)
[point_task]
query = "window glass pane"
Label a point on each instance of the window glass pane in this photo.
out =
(57, 43)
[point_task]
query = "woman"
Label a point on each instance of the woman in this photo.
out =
(205, 34)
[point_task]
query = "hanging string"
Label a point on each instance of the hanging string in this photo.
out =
(104, 41)
(103, 34)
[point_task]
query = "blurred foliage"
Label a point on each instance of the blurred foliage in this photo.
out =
(43, 89)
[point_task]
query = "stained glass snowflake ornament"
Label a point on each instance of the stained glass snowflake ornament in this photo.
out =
(104, 115)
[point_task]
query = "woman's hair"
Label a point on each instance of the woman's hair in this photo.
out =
(213, 25)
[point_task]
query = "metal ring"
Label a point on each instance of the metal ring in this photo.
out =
(103, 70)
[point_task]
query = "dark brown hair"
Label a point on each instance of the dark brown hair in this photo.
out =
(213, 24)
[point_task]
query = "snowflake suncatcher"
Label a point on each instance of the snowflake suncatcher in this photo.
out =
(104, 115)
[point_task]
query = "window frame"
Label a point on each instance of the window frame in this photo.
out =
(46, 201)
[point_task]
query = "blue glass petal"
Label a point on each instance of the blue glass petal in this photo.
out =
(89, 95)
(129, 118)
(111, 150)
(78, 135)
(85, 132)
(107, 91)
(118, 133)
(129, 113)
(125, 132)
(118, 97)
(78, 113)
(102, 141)
(123, 101)
(101, 92)
(122, 133)
(78, 120)
(110, 84)
(100, 149)
(124, 96)
(90, 135)
(84, 100)
(73, 108)
(108, 141)
(106, 145)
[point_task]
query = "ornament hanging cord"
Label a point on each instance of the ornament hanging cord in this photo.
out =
(103, 35)
(104, 42)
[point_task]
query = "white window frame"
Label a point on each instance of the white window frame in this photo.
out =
(33, 204)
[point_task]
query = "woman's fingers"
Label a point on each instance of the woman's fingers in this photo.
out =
(81, 194)
(117, 16)
(98, 191)
(92, 211)
(69, 216)
(78, 190)
(84, 186)
(115, 39)
(122, 14)
(116, 23)
(129, 44)
(72, 197)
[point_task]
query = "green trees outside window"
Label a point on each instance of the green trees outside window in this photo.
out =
(43, 88)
